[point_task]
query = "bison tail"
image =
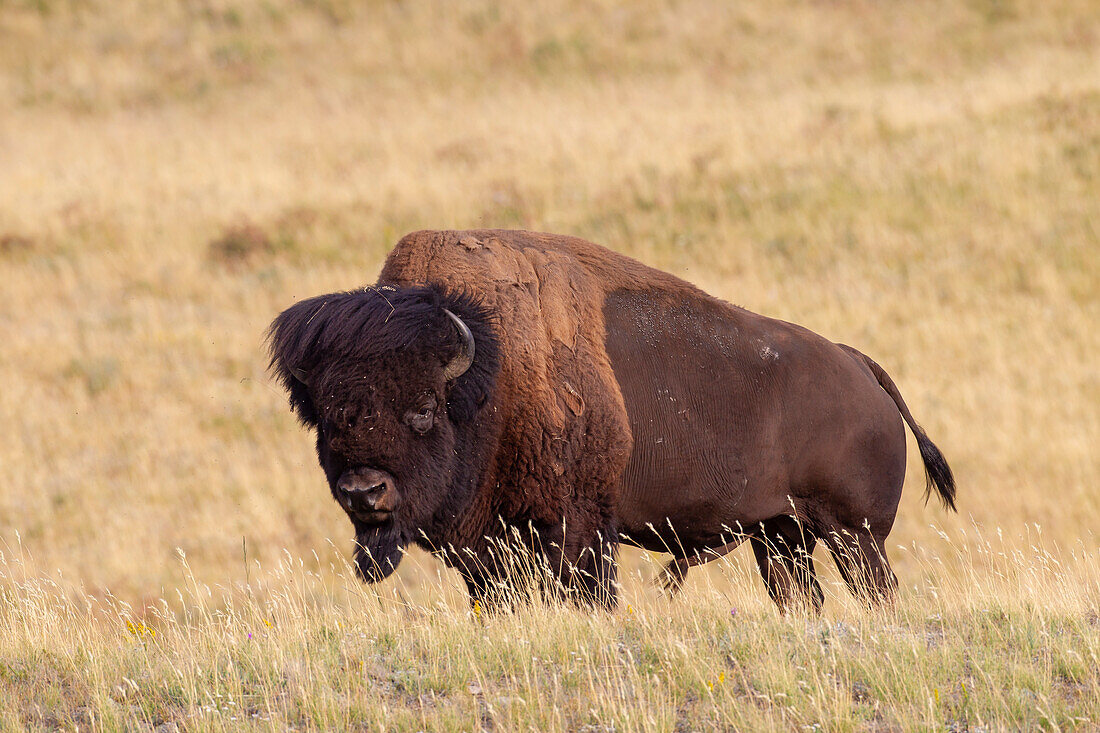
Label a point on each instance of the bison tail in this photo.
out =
(935, 465)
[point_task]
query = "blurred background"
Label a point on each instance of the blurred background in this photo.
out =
(920, 180)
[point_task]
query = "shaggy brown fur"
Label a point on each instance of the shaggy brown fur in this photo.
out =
(608, 402)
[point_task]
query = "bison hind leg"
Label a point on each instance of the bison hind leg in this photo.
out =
(671, 578)
(861, 558)
(784, 553)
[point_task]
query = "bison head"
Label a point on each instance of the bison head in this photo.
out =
(391, 379)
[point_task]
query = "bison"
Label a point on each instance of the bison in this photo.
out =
(539, 391)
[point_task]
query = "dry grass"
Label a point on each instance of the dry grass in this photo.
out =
(1014, 644)
(921, 181)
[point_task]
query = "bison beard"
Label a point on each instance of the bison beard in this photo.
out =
(378, 550)
(503, 391)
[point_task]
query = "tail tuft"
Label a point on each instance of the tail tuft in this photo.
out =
(936, 469)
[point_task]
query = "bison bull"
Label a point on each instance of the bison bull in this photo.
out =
(520, 388)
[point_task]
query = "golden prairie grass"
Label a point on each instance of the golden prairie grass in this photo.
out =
(920, 181)
(1016, 644)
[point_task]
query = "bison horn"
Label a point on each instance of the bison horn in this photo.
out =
(299, 374)
(457, 366)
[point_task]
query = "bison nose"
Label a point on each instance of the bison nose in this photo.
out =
(367, 490)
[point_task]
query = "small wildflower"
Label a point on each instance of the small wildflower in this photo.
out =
(250, 636)
(733, 612)
(477, 609)
(630, 609)
(140, 630)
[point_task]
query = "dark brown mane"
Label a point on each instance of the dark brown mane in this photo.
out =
(352, 325)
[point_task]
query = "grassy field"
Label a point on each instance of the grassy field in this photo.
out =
(920, 180)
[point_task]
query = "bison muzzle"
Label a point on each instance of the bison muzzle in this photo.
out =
(504, 389)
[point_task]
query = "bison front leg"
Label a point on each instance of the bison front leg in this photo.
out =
(491, 577)
(571, 565)
(489, 596)
(598, 572)
(589, 576)
(494, 589)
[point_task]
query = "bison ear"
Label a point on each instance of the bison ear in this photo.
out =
(472, 355)
(291, 339)
(301, 403)
(294, 381)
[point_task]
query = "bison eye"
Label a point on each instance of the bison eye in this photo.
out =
(421, 419)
